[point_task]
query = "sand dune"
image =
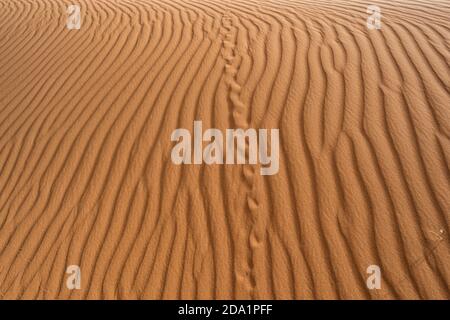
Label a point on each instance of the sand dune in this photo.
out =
(86, 176)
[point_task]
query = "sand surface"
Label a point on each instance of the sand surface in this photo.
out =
(86, 176)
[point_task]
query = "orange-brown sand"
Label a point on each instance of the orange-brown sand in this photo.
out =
(86, 176)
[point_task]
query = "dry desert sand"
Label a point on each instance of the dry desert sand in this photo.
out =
(86, 176)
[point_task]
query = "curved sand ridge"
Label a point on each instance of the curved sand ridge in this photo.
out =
(86, 176)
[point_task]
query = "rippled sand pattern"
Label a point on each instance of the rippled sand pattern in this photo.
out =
(86, 176)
